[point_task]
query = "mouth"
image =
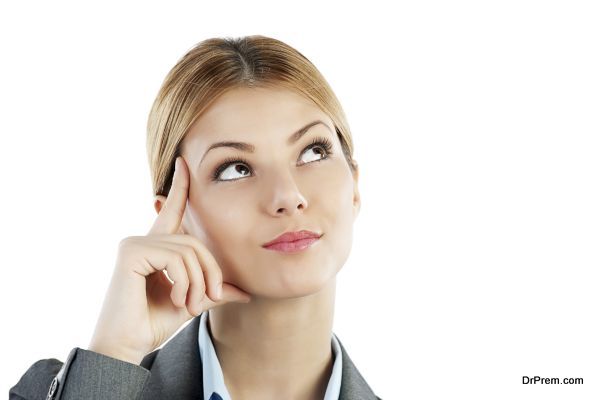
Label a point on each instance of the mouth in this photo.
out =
(291, 242)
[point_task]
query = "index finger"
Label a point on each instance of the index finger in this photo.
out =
(171, 214)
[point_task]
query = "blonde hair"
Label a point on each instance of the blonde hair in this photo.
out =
(216, 65)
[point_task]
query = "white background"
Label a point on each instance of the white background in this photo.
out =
(476, 253)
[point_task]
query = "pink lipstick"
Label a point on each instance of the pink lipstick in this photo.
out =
(290, 242)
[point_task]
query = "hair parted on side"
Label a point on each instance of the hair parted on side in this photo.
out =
(216, 65)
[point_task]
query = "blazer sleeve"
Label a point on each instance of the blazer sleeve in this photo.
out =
(85, 375)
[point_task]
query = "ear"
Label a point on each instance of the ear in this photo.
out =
(159, 203)
(356, 201)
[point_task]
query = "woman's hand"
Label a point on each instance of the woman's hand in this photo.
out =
(142, 308)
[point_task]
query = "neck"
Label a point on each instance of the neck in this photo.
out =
(276, 348)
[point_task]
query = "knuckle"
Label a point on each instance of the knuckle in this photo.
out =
(189, 253)
(194, 242)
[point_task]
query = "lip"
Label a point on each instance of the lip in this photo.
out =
(293, 241)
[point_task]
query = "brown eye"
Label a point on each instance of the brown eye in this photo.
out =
(315, 149)
(229, 172)
(322, 146)
(229, 169)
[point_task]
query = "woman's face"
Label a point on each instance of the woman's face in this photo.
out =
(280, 187)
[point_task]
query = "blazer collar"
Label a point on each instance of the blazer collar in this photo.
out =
(176, 370)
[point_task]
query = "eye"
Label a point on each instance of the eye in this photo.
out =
(226, 170)
(233, 166)
(322, 145)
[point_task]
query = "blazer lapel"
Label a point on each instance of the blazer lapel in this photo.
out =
(354, 386)
(177, 370)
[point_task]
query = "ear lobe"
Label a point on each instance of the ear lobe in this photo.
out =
(356, 200)
(159, 202)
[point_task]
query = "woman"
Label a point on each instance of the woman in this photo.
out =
(256, 192)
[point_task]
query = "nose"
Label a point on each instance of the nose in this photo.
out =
(285, 198)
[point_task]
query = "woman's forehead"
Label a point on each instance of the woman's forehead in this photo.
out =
(255, 113)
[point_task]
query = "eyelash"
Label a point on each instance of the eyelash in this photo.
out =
(322, 142)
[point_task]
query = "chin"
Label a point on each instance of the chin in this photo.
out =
(283, 276)
(296, 281)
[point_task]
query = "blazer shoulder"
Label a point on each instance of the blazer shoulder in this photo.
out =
(37, 379)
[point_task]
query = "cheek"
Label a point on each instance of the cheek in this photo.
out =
(219, 207)
(218, 221)
(336, 197)
(226, 216)
(333, 205)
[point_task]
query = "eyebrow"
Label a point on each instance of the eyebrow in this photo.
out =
(249, 148)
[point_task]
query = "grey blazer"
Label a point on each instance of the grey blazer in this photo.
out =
(171, 372)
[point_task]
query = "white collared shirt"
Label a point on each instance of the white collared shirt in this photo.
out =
(212, 374)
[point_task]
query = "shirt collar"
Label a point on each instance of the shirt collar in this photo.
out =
(213, 374)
